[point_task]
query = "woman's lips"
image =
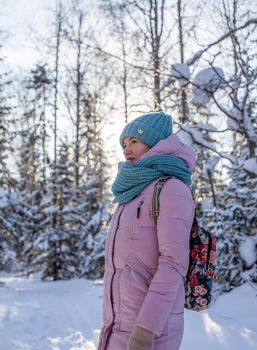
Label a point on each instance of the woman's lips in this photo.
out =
(128, 158)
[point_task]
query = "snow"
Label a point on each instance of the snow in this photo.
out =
(37, 315)
(234, 117)
(194, 58)
(181, 73)
(206, 126)
(207, 204)
(90, 241)
(3, 198)
(66, 315)
(206, 82)
(249, 126)
(236, 113)
(248, 251)
(93, 181)
(232, 124)
(210, 166)
(185, 137)
(250, 165)
(198, 137)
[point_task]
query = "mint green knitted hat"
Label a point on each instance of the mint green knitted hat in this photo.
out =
(149, 128)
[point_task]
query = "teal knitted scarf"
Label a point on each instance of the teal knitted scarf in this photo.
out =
(133, 178)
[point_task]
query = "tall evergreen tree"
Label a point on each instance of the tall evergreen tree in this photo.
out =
(5, 126)
(10, 231)
(32, 161)
(58, 242)
(97, 216)
(94, 197)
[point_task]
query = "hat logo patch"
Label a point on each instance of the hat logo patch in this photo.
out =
(140, 131)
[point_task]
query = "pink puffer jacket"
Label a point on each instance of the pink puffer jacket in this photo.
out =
(145, 264)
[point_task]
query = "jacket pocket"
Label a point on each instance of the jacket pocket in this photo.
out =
(138, 266)
(142, 219)
(134, 282)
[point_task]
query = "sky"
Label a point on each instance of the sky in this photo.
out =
(18, 19)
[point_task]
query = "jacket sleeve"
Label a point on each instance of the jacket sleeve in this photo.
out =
(166, 292)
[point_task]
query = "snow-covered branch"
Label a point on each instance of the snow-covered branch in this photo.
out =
(199, 140)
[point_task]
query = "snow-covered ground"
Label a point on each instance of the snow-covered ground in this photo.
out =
(66, 315)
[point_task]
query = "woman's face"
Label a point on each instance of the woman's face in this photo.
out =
(133, 148)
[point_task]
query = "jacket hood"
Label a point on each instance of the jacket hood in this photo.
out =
(173, 146)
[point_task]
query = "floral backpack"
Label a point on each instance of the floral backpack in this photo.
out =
(201, 270)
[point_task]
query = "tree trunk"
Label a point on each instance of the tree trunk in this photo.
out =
(78, 96)
(154, 23)
(184, 105)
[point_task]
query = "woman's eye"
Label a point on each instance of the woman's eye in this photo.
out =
(130, 142)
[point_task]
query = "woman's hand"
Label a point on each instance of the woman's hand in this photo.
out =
(141, 339)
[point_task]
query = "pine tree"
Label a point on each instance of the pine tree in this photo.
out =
(236, 226)
(92, 242)
(59, 257)
(95, 197)
(11, 231)
(32, 162)
(5, 127)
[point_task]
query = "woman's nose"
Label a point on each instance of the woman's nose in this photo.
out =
(126, 150)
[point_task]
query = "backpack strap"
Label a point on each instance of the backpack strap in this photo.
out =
(156, 196)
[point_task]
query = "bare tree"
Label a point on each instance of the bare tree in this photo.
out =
(116, 18)
(149, 20)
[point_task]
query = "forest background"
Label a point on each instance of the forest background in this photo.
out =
(86, 69)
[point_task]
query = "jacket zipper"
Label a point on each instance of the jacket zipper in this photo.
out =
(111, 295)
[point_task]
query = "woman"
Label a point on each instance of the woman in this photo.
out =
(144, 296)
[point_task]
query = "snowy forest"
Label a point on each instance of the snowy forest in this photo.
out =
(99, 65)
